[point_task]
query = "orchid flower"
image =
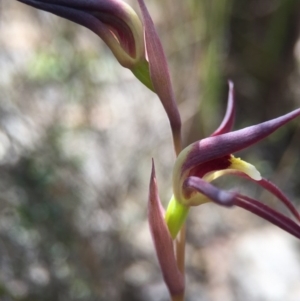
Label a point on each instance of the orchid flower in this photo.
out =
(197, 166)
(212, 157)
(134, 43)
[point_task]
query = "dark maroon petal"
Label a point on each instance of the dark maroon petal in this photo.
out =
(221, 197)
(160, 76)
(268, 214)
(162, 241)
(222, 145)
(228, 120)
(272, 188)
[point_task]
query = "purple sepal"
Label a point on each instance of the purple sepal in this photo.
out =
(218, 146)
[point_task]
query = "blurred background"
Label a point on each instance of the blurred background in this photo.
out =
(78, 131)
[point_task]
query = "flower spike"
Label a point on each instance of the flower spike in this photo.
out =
(160, 76)
(163, 241)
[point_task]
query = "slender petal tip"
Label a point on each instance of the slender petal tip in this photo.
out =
(228, 120)
(268, 214)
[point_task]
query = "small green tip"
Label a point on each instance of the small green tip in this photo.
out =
(141, 71)
(175, 216)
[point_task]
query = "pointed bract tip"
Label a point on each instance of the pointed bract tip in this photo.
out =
(153, 168)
